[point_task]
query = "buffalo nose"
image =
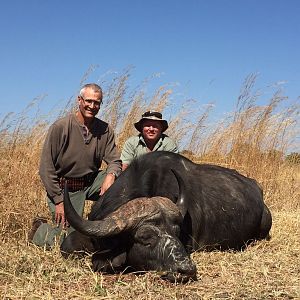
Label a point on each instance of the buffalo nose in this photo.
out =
(183, 274)
(187, 269)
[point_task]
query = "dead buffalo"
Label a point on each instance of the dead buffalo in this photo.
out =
(162, 208)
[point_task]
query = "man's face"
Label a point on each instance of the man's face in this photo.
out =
(152, 130)
(89, 103)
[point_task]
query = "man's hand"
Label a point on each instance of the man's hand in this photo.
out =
(108, 181)
(60, 215)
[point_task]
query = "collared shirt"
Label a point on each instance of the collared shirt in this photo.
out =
(71, 151)
(136, 146)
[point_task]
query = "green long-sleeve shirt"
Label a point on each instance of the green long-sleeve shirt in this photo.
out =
(135, 146)
(70, 153)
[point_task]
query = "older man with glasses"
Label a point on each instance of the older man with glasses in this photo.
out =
(73, 151)
(151, 138)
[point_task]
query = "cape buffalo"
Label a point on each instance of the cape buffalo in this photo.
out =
(162, 208)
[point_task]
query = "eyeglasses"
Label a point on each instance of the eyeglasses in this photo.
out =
(89, 102)
(151, 113)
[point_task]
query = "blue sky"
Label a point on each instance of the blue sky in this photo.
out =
(207, 47)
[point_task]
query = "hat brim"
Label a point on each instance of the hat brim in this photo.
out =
(139, 125)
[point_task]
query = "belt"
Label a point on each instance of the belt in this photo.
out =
(78, 183)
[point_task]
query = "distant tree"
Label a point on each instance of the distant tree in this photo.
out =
(293, 158)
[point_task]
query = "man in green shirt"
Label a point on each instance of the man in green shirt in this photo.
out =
(151, 138)
(73, 152)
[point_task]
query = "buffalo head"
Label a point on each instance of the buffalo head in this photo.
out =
(144, 234)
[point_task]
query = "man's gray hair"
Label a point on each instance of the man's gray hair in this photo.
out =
(95, 87)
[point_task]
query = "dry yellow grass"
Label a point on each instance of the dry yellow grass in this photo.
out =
(253, 141)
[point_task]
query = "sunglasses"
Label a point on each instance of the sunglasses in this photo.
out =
(152, 114)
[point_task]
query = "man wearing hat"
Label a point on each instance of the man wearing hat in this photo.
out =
(151, 138)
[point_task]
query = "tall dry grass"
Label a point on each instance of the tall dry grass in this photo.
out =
(253, 139)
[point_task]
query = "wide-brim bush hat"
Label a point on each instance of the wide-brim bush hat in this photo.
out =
(151, 115)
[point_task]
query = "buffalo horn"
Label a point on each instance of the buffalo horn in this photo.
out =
(124, 218)
(181, 202)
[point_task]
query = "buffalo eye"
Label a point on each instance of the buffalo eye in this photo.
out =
(147, 236)
(176, 230)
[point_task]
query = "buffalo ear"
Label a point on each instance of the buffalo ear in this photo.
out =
(181, 201)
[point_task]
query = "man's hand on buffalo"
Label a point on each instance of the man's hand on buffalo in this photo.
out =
(108, 181)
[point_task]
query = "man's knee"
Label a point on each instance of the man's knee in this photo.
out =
(46, 235)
